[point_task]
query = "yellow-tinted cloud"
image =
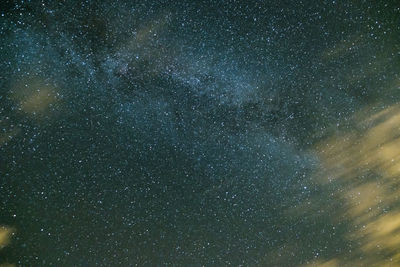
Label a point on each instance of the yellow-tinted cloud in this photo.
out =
(33, 95)
(364, 163)
(5, 236)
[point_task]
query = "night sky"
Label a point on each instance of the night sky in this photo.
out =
(200, 133)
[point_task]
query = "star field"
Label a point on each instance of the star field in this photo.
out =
(199, 133)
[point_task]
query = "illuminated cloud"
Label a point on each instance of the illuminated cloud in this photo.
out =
(34, 95)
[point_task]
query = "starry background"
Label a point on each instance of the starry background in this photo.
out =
(183, 132)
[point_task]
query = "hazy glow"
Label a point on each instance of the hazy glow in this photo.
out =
(365, 162)
(33, 95)
(5, 236)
